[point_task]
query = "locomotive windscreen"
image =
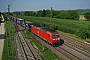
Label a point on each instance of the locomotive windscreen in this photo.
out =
(55, 35)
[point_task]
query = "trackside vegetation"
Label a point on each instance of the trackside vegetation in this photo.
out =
(63, 20)
(79, 28)
(9, 47)
(49, 55)
(87, 15)
(64, 14)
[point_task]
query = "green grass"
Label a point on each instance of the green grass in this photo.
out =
(49, 54)
(64, 25)
(6, 49)
(73, 24)
(46, 52)
(72, 35)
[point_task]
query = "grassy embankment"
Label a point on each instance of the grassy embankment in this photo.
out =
(9, 47)
(49, 55)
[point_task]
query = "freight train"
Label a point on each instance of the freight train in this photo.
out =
(50, 36)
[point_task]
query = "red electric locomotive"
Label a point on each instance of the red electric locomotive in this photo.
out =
(50, 36)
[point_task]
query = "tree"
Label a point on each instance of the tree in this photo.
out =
(71, 14)
(47, 13)
(39, 14)
(26, 13)
(87, 16)
(16, 13)
(43, 13)
(54, 13)
(76, 15)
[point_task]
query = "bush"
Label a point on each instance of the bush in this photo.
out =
(87, 16)
(71, 14)
(82, 32)
(88, 34)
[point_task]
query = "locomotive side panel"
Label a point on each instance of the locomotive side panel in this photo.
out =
(33, 29)
(49, 37)
(43, 35)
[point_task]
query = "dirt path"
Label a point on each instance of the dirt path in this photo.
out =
(2, 32)
(82, 17)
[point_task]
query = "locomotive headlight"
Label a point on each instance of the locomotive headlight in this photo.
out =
(58, 38)
(53, 39)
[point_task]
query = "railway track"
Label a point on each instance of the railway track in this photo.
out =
(25, 52)
(76, 48)
(73, 52)
(66, 54)
(19, 51)
(75, 41)
(24, 49)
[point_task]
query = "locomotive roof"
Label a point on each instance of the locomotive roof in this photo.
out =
(20, 19)
(28, 22)
(45, 29)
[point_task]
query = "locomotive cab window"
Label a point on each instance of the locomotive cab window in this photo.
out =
(55, 35)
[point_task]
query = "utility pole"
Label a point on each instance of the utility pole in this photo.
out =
(51, 19)
(9, 10)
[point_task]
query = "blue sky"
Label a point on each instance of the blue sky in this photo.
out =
(23, 5)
